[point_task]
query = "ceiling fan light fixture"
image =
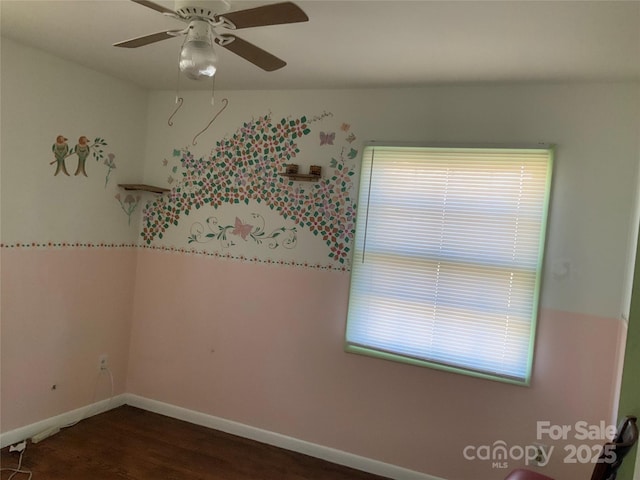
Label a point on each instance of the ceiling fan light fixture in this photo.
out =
(198, 59)
(205, 17)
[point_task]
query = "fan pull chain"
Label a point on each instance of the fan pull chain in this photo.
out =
(226, 102)
(213, 86)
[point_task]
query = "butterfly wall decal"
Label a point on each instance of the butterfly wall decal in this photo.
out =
(327, 138)
(242, 229)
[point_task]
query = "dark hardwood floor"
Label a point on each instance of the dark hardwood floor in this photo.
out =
(133, 444)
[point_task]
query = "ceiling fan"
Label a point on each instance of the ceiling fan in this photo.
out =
(197, 58)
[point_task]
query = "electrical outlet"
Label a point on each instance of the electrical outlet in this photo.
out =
(103, 361)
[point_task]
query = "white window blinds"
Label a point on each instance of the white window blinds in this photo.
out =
(447, 257)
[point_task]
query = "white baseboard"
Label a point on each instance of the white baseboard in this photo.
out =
(14, 436)
(235, 428)
(278, 440)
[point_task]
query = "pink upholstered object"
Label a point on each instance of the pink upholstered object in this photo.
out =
(526, 475)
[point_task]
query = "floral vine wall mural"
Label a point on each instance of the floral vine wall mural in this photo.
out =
(246, 168)
(281, 236)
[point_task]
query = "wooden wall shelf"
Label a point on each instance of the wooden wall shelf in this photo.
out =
(302, 177)
(141, 187)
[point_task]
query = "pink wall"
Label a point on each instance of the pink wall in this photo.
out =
(61, 309)
(262, 345)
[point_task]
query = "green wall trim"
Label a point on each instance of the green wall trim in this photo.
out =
(630, 388)
(371, 352)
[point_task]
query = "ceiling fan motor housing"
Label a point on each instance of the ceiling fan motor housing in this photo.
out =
(198, 31)
(190, 9)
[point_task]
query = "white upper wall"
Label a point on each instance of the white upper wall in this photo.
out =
(595, 127)
(44, 96)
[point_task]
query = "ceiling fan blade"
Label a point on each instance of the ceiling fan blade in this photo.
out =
(147, 39)
(155, 6)
(251, 53)
(274, 14)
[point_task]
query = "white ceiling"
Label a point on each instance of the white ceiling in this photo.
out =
(355, 43)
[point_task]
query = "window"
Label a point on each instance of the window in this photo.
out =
(448, 256)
